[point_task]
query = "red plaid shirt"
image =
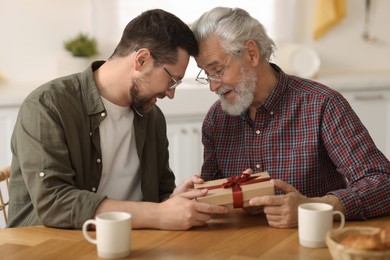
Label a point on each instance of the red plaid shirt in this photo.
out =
(307, 135)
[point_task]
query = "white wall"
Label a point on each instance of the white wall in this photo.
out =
(32, 32)
(342, 49)
(32, 35)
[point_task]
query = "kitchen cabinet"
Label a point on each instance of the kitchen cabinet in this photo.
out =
(184, 115)
(185, 147)
(373, 109)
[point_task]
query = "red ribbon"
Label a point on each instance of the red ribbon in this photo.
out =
(235, 183)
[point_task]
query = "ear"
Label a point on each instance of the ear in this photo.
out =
(141, 56)
(252, 53)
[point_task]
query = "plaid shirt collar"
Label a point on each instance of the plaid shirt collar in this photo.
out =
(271, 103)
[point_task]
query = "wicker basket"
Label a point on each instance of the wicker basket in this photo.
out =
(341, 252)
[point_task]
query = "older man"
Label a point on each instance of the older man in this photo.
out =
(303, 133)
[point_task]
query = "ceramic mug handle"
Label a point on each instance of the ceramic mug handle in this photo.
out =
(85, 230)
(342, 218)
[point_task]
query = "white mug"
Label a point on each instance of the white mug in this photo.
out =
(113, 234)
(314, 221)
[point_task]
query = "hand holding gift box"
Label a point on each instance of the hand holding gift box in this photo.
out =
(235, 192)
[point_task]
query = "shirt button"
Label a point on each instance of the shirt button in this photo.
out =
(103, 114)
(271, 113)
(41, 174)
(99, 161)
(90, 133)
(257, 132)
(258, 166)
(93, 189)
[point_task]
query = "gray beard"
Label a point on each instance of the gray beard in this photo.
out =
(244, 91)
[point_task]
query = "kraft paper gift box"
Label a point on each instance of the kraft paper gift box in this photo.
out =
(236, 191)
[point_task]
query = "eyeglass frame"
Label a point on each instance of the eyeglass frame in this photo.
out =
(176, 82)
(212, 78)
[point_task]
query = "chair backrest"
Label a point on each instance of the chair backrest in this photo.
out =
(4, 175)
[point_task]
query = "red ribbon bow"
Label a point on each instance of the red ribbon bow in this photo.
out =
(237, 180)
(235, 183)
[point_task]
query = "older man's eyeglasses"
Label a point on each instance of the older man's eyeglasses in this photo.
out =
(216, 76)
(174, 82)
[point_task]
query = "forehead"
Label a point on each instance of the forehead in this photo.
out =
(211, 53)
(179, 68)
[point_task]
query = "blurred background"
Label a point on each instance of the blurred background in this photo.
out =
(32, 32)
(32, 52)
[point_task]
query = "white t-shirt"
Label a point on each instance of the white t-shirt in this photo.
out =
(120, 175)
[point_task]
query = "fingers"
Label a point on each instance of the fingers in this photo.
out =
(249, 170)
(273, 200)
(189, 182)
(278, 214)
(283, 186)
(196, 179)
(198, 223)
(193, 194)
(203, 207)
(281, 211)
(266, 201)
(210, 209)
(187, 185)
(278, 221)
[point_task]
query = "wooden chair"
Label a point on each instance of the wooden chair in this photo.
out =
(4, 175)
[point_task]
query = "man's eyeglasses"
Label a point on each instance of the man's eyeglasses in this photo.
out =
(175, 82)
(215, 77)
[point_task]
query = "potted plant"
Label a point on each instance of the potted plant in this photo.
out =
(81, 49)
(81, 46)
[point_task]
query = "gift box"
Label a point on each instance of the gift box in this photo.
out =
(235, 192)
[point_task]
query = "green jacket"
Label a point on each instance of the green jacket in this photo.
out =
(56, 165)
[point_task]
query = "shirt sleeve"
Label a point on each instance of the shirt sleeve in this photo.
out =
(41, 149)
(365, 168)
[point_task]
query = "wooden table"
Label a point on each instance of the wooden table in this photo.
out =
(237, 236)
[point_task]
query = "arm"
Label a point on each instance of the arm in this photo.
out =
(282, 211)
(353, 152)
(365, 168)
(180, 212)
(42, 153)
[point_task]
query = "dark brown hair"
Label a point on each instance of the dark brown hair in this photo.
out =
(160, 32)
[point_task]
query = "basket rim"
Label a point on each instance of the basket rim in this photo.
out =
(337, 248)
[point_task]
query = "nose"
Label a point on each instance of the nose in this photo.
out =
(170, 93)
(214, 85)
